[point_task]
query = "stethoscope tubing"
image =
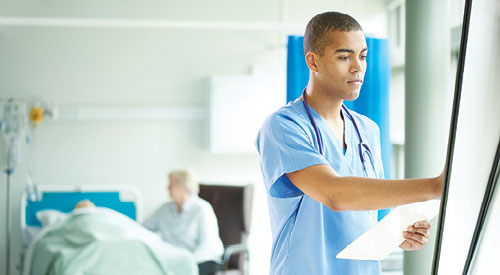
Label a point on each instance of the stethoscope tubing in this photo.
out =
(320, 143)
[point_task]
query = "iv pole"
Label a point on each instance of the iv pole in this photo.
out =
(8, 171)
(14, 115)
(11, 127)
(11, 143)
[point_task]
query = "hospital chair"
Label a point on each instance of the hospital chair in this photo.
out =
(233, 207)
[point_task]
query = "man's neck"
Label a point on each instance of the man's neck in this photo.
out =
(329, 108)
(326, 106)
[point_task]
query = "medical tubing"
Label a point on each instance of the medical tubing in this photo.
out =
(361, 143)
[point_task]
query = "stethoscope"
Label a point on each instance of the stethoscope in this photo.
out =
(364, 151)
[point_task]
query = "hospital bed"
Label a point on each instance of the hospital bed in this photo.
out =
(127, 200)
(124, 199)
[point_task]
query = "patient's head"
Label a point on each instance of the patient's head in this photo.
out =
(84, 204)
(182, 184)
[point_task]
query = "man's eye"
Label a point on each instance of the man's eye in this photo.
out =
(363, 57)
(344, 57)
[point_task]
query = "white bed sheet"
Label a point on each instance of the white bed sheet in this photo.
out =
(134, 231)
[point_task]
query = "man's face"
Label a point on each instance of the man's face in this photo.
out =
(341, 68)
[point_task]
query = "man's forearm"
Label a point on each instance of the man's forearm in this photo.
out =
(324, 185)
(357, 193)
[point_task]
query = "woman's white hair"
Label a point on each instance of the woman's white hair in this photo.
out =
(186, 179)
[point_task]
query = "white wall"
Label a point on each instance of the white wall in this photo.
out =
(145, 67)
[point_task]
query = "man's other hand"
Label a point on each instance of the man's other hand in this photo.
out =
(416, 236)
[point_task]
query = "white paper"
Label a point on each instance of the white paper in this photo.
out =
(386, 236)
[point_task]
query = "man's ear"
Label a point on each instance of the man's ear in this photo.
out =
(311, 59)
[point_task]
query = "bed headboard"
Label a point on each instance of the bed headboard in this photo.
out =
(124, 199)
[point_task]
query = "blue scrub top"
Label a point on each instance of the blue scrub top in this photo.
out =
(307, 235)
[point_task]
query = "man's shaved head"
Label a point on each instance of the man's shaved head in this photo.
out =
(316, 35)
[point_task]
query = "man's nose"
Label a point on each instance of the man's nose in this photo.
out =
(356, 66)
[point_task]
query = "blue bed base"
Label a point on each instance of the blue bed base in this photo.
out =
(65, 201)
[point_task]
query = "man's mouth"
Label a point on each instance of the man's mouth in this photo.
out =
(355, 81)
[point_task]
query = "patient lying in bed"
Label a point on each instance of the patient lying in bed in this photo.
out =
(94, 240)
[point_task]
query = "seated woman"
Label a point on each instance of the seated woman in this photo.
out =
(96, 240)
(188, 221)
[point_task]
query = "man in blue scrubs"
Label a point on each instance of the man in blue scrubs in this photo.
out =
(319, 202)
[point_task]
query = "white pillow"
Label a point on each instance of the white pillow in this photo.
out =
(50, 217)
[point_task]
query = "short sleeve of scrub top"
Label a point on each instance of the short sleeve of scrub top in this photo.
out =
(288, 148)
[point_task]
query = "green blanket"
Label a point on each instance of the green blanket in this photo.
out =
(103, 243)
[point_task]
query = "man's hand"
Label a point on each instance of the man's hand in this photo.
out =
(416, 236)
